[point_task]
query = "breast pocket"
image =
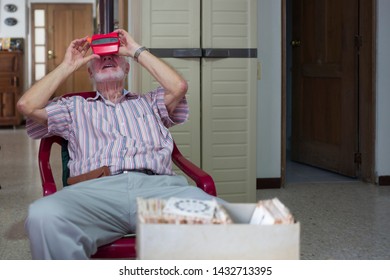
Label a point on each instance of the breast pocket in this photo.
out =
(151, 130)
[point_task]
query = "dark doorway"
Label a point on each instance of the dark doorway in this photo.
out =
(329, 100)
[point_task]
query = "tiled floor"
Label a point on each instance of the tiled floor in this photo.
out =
(340, 218)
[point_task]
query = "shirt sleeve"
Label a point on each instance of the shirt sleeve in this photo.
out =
(58, 121)
(178, 116)
(36, 130)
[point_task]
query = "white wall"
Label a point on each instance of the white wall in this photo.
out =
(18, 30)
(382, 160)
(269, 89)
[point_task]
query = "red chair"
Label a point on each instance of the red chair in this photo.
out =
(126, 246)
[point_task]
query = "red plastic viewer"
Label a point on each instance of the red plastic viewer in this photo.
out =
(104, 44)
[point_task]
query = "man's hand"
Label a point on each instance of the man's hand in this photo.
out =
(75, 55)
(128, 45)
(174, 84)
(32, 103)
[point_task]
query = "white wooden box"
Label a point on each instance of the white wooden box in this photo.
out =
(240, 240)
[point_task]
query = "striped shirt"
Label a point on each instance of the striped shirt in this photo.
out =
(129, 135)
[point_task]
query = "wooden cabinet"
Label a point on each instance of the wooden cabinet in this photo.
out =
(220, 135)
(11, 86)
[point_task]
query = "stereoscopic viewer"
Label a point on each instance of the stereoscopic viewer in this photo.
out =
(104, 44)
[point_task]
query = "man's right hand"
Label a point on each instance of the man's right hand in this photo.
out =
(76, 54)
(33, 102)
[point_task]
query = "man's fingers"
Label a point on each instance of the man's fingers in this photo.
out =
(90, 57)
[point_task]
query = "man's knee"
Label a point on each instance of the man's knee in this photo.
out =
(48, 228)
(41, 213)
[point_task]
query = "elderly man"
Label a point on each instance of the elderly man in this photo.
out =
(123, 131)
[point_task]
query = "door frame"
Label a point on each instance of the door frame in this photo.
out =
(366, 90)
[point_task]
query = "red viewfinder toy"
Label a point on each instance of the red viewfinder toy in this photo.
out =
(104, 44)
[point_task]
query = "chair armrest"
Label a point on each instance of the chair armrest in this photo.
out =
(48, 183)
(201, 178)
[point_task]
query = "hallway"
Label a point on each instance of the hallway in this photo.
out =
(340, 218)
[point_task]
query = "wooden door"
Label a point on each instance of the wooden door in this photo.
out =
(325, 84)
(64, 23)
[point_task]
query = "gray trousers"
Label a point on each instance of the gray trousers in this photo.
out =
(73, 222)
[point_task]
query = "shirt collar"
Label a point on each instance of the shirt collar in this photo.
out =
(126, 94)
(130, 95)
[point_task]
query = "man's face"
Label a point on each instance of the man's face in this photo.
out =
(108, 68)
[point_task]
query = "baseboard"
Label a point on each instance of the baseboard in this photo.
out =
(384, 180)
(268, 183)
